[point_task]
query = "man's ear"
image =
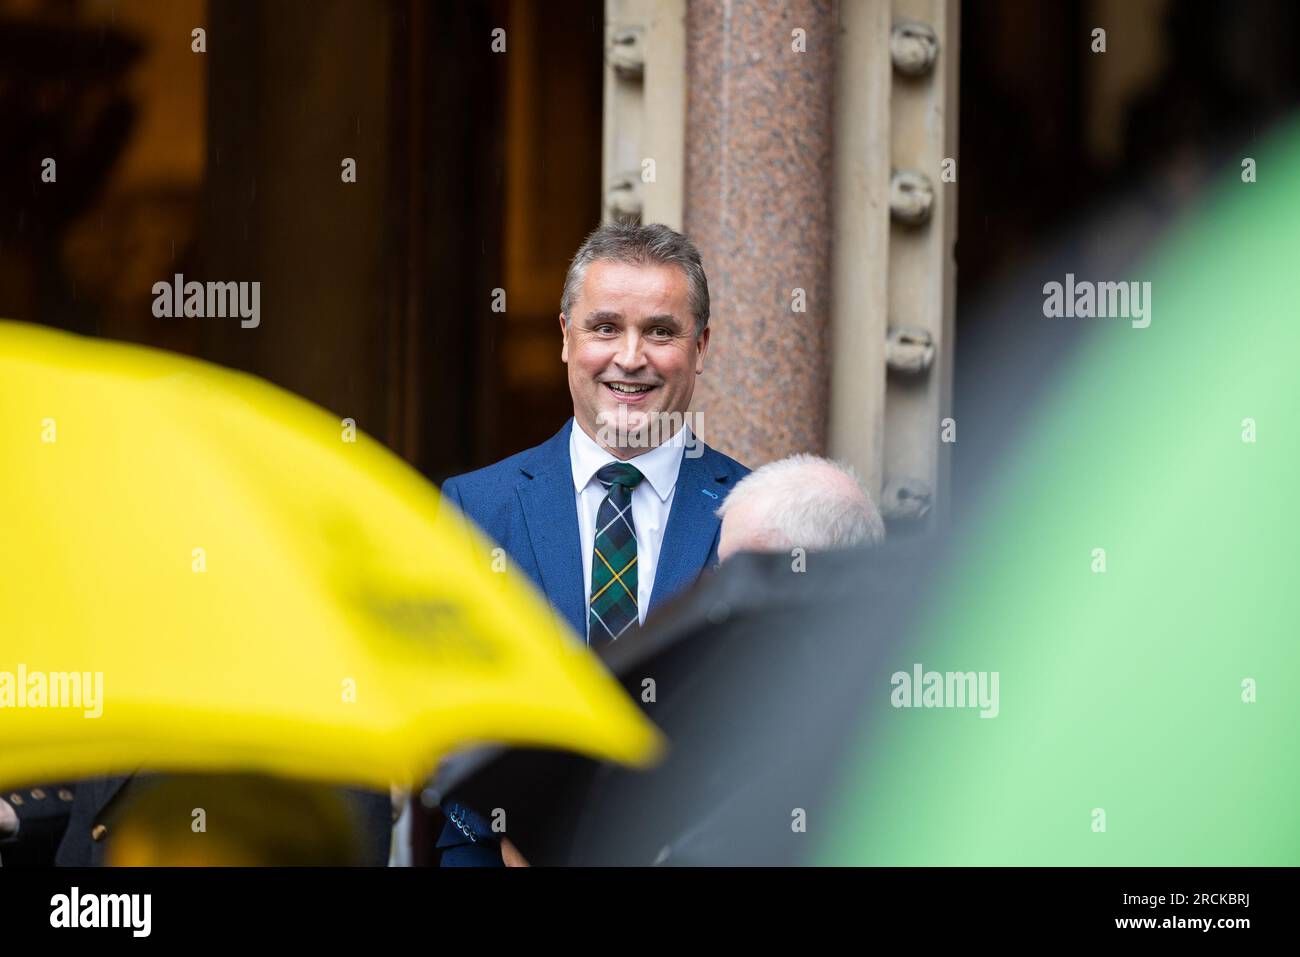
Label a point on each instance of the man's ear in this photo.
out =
(701, 346)
(564, 338)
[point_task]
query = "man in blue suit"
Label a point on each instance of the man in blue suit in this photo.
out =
(615, 513)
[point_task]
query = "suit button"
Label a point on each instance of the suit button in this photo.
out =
(97, 832)
(16, 799)
(65, 794)
(38, 794)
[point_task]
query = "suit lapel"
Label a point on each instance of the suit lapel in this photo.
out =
(550, 510)
(692, 526)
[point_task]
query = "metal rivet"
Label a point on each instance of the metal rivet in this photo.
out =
(627, 53)
(908, 350)
(911, 197)
(913, 47)
(906, 499)
(623, 198)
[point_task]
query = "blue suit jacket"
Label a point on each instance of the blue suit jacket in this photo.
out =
(528, 506)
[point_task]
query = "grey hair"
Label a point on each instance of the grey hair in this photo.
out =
(640, 246)
(795, 506)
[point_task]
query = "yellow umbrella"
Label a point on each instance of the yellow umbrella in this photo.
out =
(250, 583)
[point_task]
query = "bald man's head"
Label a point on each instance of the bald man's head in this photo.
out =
(798, 502)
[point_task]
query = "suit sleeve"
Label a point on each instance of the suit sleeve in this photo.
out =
(43, 814)
(467, 839)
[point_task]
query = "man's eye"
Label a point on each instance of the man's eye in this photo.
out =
(604, 328)
(661, 332)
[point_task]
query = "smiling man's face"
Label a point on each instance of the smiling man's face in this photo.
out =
(631, 344)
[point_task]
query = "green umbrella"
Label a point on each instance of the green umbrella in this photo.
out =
(1148, 713)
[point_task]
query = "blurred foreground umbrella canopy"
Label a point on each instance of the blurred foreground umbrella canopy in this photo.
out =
(1132, 571)
(199, 571)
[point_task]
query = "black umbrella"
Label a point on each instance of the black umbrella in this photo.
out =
(758, 677)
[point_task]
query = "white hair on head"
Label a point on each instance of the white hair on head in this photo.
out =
(806, 501)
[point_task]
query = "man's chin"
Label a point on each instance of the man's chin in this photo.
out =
(625, 429)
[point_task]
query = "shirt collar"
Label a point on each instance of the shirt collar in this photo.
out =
(659, 465)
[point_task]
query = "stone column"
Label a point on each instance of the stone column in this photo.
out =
(757, 203)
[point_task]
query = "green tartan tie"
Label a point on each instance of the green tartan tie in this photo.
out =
(613, 608)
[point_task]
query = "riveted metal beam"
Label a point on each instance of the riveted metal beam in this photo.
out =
(643, 159)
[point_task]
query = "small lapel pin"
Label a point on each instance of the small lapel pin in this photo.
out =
(708, 493)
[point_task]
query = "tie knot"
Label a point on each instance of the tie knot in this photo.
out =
(620, 473)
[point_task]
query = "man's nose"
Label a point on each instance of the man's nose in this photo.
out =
(631, 354)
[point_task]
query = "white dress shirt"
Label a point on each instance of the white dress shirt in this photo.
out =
(652, 500)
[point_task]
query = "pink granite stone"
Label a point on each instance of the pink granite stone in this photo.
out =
(758, 205)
